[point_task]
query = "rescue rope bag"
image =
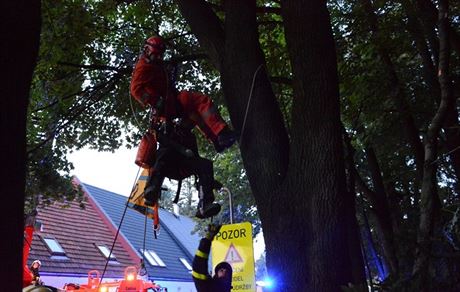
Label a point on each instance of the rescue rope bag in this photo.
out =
(146, 151)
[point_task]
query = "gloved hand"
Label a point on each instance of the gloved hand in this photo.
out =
(213, 229)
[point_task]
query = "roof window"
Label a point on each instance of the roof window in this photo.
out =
(105, 251)
(53, 246)
(153, 258)
(186, 264)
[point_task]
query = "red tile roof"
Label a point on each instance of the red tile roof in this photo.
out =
(77, 230)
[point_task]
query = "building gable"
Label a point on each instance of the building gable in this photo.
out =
(174, 242)
(77, 232)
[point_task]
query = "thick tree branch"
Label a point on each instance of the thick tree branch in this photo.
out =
(206, 26)
(429, 200)
(362, 186)
(378, 201)
(382, 210)
(445, 81)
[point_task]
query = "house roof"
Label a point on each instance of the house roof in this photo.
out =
(77, 231)
(181, 228)
(173, 242)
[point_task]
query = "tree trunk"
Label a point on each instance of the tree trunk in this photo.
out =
(379, 206)
(305, 210)
(20, 40)
(316, 177)
(382, 210)
(364, 233)
(430, 203)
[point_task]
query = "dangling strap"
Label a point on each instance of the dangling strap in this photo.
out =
(179, 186)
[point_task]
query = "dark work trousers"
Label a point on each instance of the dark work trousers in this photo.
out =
(172, 164)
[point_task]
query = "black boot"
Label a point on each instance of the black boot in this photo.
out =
(206, 206)
(152, 190)
(225, 139)
(207, 209)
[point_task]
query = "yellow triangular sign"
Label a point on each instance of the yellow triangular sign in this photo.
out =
(232, 255)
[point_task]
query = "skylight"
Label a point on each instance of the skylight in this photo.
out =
(153, 258)
(106, 251)
(186, 264)
(53, 246)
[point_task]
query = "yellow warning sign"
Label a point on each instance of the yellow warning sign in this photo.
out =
(233, 244)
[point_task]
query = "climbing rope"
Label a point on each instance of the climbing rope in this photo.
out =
(249, 102)
(142, 269)
(118, 231)
(145, 235)
(133, 112)
(131, 100)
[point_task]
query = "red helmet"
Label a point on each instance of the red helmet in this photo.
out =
(155, 45)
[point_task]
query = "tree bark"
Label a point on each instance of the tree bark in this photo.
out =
(206, 26)
(20, 41)
(317, 159)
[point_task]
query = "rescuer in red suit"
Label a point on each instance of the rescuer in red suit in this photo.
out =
(175, 114)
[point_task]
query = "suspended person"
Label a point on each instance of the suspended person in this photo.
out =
(222, 280)
(174, 114)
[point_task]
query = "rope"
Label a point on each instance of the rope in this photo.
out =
(445, 154)
(131, 100)
(133, 112)
(145, 235)
(118, 232)
(249, 102)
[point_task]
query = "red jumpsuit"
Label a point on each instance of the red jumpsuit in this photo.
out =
(150, 81)
(150, 84)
